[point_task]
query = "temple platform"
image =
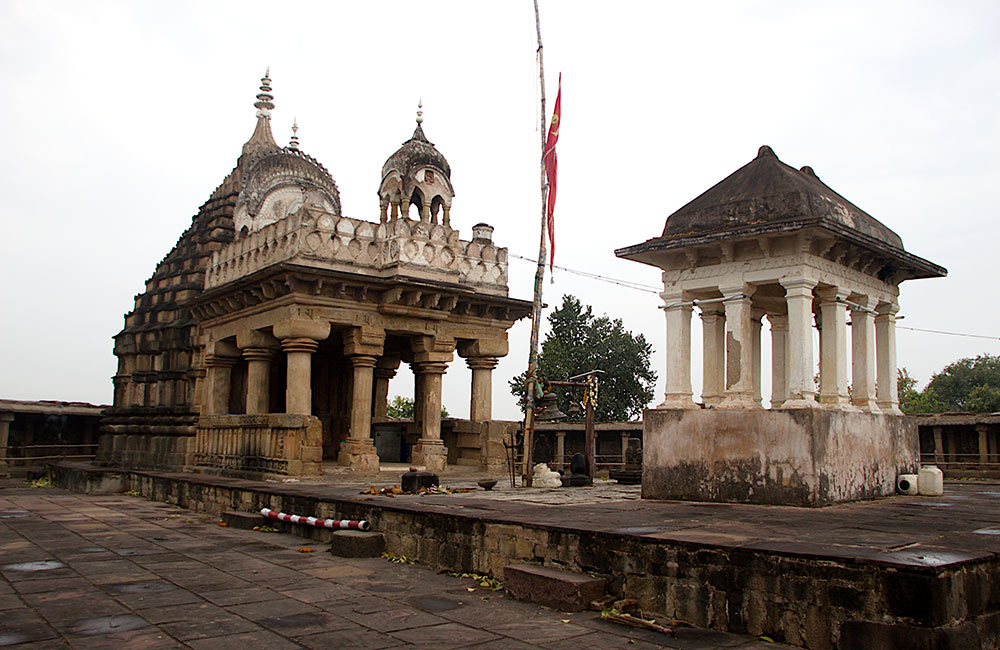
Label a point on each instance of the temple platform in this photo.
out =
(917, 572)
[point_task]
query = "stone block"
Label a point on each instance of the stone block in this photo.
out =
(415, 480)
(562, 590)
(357, 543)
(243, 520)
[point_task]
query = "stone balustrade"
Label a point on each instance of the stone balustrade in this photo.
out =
(277, 443)
(399, 247)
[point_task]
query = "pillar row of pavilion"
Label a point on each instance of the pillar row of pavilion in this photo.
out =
(371, 371)
(732, 325)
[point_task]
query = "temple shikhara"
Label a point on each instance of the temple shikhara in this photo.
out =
(771, 241)
(265, 341)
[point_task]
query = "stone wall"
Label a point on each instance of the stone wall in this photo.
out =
(276, 444)
(806, 457)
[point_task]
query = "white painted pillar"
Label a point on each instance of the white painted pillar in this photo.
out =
(863, 355)
(833, 348)
(739, 347)
(779, 357)
(678, 378)
(756, 325)
(885, 345)
(713, 358)
(799, 369)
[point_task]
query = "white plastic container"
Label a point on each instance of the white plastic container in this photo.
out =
(907, 484)
(931, 481)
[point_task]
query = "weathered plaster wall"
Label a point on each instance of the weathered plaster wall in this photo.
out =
(806, 457)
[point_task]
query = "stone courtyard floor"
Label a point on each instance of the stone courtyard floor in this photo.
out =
(121, 571)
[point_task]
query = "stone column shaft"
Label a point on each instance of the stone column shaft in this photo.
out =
(863, 356)
(219, 375)
(984, 444)
(739, 348)
(678, 376)
(481, 401)
(258, 379)
(939, 457)
(779, 358)
(713, 353)
(430, 450)
(799, 369)
(885, 345)
(385, 370)
(298, 391)
(5, 420)
(361, 395)
(833, 348)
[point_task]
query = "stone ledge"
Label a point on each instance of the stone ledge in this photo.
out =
(562, 590)
(356, 543)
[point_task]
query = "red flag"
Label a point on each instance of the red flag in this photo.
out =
(551, 164)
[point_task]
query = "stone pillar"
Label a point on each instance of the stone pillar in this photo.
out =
(404, 208)
(833, 348)
(384, 210)
(713, 353)
(482, 356)
(358, 450)
(939, 457)
(756, 325)
(560, 449)
(779, 358)
(446, 216)
(299, 339)
(799, 362)
(220, 357)
(625, 437)
(363, 346)
(739, 347)
(430, 450)
(258, 349)
(481, 405)
(887, 394)
(418, 394)
(5, 420)
(385, 369)
(431, 356)
(678, 375)
(863, 355)
(425, 212)
(984, 444)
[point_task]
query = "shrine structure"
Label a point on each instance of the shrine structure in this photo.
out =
(265, 340)
(774, 242)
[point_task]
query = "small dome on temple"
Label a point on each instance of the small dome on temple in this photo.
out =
(417, 174)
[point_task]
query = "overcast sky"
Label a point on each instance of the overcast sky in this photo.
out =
(120, 118)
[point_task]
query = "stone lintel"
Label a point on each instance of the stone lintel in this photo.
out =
(497, 347)
(295, 328)
(364, 340)
(432, 349)
(255, 339)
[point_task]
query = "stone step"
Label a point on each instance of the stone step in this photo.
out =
(247, 520)
(356, 543)
(562, 590)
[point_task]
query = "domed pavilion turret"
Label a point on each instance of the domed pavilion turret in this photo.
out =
(417, 174)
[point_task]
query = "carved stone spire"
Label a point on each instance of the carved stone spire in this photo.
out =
(294, 142)
(262, 139)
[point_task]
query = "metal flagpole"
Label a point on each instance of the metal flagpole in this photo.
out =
(536, 310)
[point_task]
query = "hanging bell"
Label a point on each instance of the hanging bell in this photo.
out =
(548, 409)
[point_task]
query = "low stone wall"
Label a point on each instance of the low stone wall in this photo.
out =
(259, 445)
(807, 457)
(801, 596)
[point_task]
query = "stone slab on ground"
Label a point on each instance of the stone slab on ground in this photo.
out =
(243, 520)
(562, 590)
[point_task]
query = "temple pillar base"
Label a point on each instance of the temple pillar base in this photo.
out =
(359, 455)
(430, 453)
(677, 401)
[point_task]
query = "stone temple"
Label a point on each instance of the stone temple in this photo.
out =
(264, 342)
(774, 242)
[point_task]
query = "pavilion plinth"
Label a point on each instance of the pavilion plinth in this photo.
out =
(800, 457)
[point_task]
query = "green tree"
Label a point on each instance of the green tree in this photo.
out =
(968, 384)
(912, 400)
(401, 408)
(577, 342)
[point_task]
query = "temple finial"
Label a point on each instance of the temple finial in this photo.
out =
(265, 100)
(294, 143)
(420, 111)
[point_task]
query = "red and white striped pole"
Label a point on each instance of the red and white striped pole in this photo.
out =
(313, 521)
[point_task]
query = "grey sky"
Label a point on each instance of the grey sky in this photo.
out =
(120, 118)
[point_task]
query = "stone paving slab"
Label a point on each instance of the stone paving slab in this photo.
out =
(94, 583)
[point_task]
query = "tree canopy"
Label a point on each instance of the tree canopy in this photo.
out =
(402, 408)
(967, 385)
(578, 342)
